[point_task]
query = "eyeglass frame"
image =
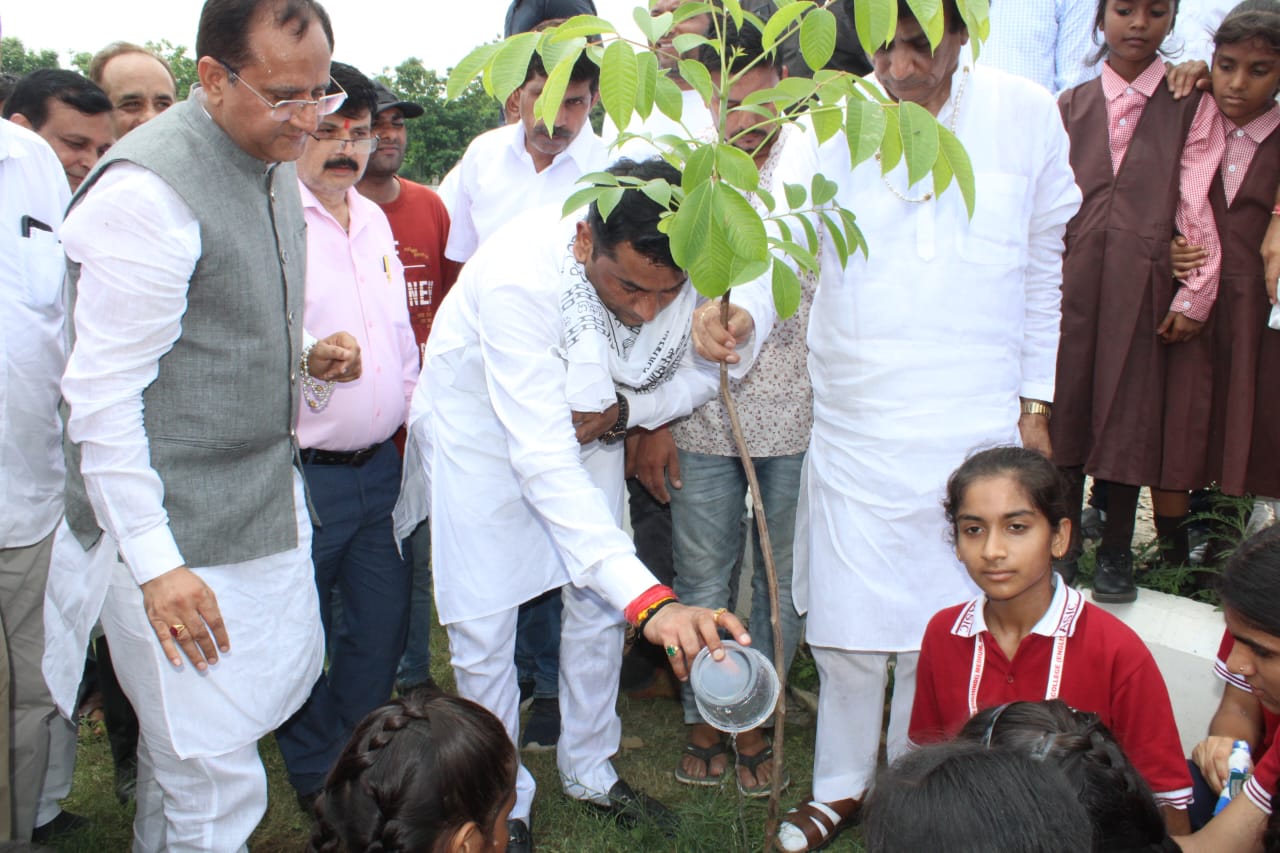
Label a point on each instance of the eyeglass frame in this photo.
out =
(294, 105)
(343, 142)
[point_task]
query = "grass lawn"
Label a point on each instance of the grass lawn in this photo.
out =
(712, 819)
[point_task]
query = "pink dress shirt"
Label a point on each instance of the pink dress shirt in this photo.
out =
(355, 283)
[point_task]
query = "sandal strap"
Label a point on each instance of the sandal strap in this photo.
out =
(751, 762)
(819, 824)
(705, 753)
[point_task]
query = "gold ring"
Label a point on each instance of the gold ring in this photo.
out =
(672, 651)
(720, 612)
(175, 631)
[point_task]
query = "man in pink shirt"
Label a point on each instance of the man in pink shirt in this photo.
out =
(352, 468)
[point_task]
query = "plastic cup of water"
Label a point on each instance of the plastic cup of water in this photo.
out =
(735, 694)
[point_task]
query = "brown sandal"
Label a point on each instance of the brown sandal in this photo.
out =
(818, 824)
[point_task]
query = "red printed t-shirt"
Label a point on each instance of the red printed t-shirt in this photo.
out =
(1103, 667)
(420, 224)
(1262, 784)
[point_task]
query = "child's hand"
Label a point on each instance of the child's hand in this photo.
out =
(1187, 78)
(1178, 328)
(1186, 257)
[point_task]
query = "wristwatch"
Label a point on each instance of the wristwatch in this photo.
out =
(618, 431)
(1036, 407)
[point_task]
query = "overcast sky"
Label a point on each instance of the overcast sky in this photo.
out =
(369, 36)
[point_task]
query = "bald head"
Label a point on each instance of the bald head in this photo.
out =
(139, 85)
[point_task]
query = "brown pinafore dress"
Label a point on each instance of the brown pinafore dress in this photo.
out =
(1117, 284)
(1244, 445)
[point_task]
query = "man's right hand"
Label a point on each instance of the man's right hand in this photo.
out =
(183, 611)
(1211, 755)
(653, 459)
(713, 340)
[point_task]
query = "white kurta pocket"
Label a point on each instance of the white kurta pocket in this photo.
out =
(997, 233)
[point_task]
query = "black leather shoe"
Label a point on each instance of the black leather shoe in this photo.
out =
(519, 838)
(64, 824)
(1113, 579)
(1067, 570)
(628, 809)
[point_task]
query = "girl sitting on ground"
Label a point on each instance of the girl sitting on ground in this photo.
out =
(1030, 636)
(424, 773)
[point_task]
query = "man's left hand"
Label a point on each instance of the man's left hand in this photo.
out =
(589, 426)
(713, 340)
(687, 629)
(1034, 430)
(335, 358)
(653, 459)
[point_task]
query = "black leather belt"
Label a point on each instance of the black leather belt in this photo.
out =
(354, 458)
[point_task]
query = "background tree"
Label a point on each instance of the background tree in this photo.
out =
(438, 139)
(15, 58)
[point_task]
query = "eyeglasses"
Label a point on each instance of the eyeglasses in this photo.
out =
(359, 144)
(288, 109)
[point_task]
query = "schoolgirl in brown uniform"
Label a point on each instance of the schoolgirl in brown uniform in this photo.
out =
(1110, 404)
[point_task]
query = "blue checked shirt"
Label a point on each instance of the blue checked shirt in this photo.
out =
(1043, 40)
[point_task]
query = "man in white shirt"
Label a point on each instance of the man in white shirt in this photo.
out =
(1045, 41)
(559, 332)
(31, 467)
(521, 165)
(943, 341)
(187, 241)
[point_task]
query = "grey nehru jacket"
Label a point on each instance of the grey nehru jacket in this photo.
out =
(220, 415)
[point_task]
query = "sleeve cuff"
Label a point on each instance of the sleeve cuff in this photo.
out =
(620, 580)
(152, 553)
(1037, 391)
(641, 410)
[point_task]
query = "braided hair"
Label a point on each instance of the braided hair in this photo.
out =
(1119, 802)
(417, 769)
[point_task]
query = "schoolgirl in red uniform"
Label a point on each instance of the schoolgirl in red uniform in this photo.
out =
(1030, 636)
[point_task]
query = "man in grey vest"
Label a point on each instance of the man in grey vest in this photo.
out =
(187, 250)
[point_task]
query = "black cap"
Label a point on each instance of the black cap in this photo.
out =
(524, 15)
(387, 99)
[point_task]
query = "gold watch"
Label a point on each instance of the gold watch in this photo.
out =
(1036, 407)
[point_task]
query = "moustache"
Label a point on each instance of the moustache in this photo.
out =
(560, 132)
(342, 163)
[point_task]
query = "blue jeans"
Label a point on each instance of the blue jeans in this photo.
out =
(354, 551)
(538, 644)
(415, 664)
(706, 530)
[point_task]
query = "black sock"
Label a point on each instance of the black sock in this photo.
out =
(1122, 507)
(1074, 479)
(1174, 547)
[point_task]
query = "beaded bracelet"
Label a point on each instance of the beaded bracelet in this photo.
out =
(315, 391)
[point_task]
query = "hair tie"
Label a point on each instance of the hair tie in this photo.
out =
(991, 726)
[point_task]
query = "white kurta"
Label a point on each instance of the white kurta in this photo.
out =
(516, 506)
(918, 357)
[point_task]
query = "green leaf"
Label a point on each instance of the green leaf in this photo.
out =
(931, 18)
(960, 165)
(822, 190)
(469, 68)
(786, 289)
(654, 27)
(803, 257)
(942, 174)
(511, 64)
(581, 198)
(646, 82)
(766, 198)
(581, 25)
(810, 233)
(658, 191)
(865, 123)
(718, 239)
(891, 144)
(697, 76)
(737, 168)
(796, 194)
(852, 233)
(608, 200)
(876, 22)
(835, 234)
(699, 168)
(619, 81)
(686, 42)
(826, 122)
(783, 18)
(667, 96)
(555, 52)
(818, 38)
(919, 131)
(734, 7)
(547, 107)
(685, 11)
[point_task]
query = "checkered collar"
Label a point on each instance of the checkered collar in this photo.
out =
(1113, 85)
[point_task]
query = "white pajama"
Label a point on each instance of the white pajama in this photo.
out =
(59, 770)
(851, 715)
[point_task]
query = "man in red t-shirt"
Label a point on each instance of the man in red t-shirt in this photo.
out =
(420, 225)
(419, 220)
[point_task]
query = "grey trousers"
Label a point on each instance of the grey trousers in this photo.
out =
(30, 708)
